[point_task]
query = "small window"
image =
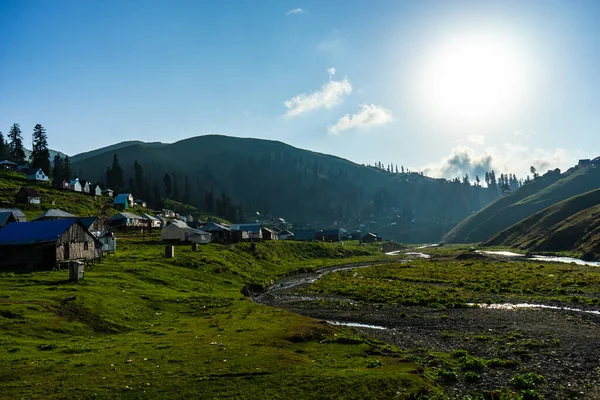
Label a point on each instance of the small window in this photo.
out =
(85, 245)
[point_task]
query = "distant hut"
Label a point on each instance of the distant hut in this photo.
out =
(286, 235)
(305, 235)
(219, 233)
(42, 245)
(8, 165)
(249, 232)
(95, 190)
(27, 195)
(180, 231)
(121, 202)
(153, 222)
(36, 175)
(108, 193)
(126, 221)
(269, 234)
(369, 238)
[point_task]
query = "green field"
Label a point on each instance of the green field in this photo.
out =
(143, 326)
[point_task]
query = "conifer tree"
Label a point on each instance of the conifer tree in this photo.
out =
(68, 172)
(58, 173)
(3, 148)
(16, 152)
(138, 179)
(40, 155)
(168, 185)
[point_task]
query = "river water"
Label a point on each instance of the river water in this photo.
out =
(567, 260)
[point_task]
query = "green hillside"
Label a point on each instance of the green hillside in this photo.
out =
(572, 225)
(303, 187)
(524, 202)
(80, 204)
(143, 326)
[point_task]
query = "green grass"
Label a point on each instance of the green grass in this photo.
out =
(452, 283)
(143, 326)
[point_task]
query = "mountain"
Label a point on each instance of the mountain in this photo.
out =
(52, 154)
(303, 187)
(571, 225)
(527, 200)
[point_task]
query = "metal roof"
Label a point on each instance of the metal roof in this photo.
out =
(246, 227)
(16, 212)
(88, 221)
(123, 215)
(4, 217)
(22, 233)
(150, 217)
(30, 192)
(214, 227)
(54, 213)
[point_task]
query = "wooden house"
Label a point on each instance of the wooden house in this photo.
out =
(369, 238)
(330, 235)
(53, 214)
(27, 195)
(126, 220)
(75, 185)
(18, 214)
(108, 193)
(93, 224)
(140, 202)
(8, 165)
(85, 186)
(249, 232)
(269, 234)
(179, 231)
(95, 190)
(64, 184)
(305, 235)
(220, 233)
(36, 175)
(286, 235)
(152, 221)
(43, 245)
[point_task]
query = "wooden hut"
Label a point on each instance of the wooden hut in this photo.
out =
(180, 231)
(44, 244)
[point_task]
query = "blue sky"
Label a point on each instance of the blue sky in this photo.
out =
(340, 77)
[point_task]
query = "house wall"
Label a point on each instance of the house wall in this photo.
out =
(30, 257)
(76, 237)
(172, 232)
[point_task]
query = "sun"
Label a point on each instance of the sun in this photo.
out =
(473, 78)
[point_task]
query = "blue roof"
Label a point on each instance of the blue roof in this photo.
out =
(23, 233)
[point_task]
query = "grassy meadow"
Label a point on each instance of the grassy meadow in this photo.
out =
(143, 326)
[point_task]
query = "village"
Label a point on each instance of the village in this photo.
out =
(55, 239)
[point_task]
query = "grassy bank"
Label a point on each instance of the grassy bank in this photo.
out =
(454, 283)
(143, 326)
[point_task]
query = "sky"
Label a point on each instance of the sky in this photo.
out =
(445, 87)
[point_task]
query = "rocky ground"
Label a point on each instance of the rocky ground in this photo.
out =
(562, 346)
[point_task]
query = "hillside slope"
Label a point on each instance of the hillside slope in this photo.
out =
(524, 202)
(303, 187)
(571, 225)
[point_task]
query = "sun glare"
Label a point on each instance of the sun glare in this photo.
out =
(473, 78)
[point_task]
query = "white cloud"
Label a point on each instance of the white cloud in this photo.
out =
(295, 11)
(330, 95)
(476, 139)
(331, 72)
(506, 158)
(369, 114)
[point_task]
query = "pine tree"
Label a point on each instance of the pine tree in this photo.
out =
(40, 155)
(138, 179)
(58, 172)
(186, 191)
(175, 189)
(117, 174)
(209, 203)
(3, 148)
(67, 168)
(16, 152)
(168, 185)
